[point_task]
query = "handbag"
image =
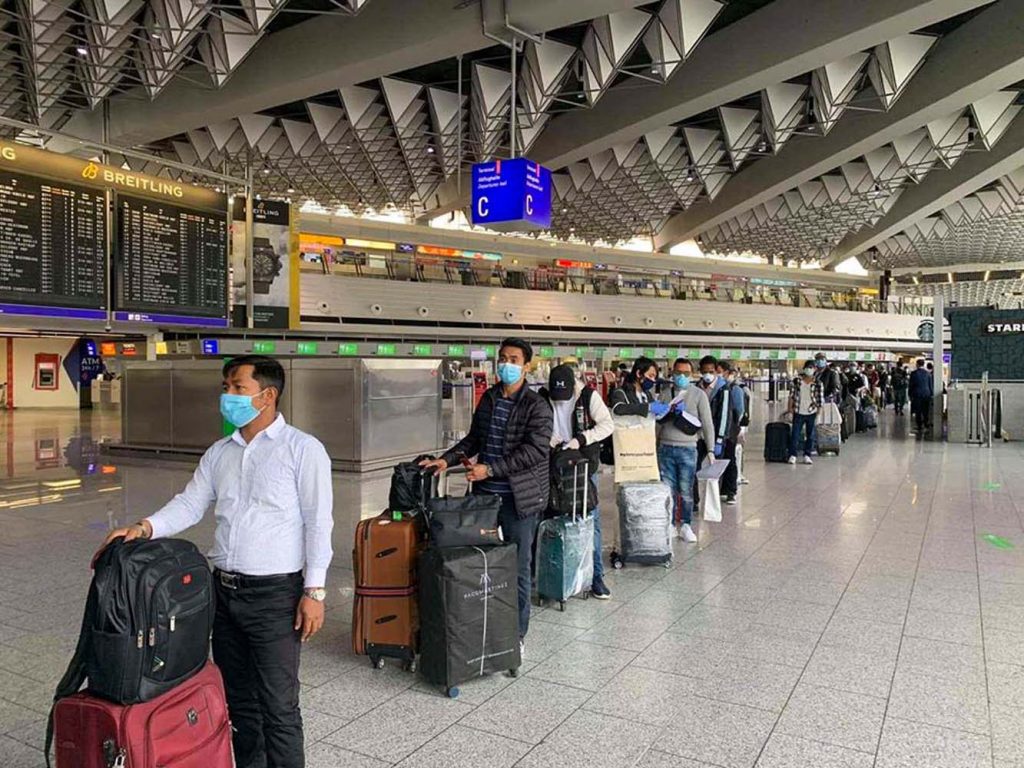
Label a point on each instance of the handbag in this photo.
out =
(830, 415)
(463, 521)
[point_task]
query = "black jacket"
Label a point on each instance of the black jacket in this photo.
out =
(626, 401)
(527, 447)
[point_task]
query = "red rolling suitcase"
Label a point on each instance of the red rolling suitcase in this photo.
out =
(187, 727)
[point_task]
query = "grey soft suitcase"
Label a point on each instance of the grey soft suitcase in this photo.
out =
(829, 438)
(565, 546)
(645, 523)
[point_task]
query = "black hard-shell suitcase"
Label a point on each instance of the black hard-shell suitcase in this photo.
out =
(469, 614)
(776, 441)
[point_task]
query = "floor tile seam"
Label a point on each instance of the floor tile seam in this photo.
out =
(832, 615)
(374, 709)
(530, 676)
(826, 742)
(984, 652)
(477, 729)
(903, 628)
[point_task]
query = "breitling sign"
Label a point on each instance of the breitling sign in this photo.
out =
(39, 162)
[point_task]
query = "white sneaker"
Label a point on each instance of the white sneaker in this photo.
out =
(792, 460)
(744, 481)
(807, 460)
(522, 649)
(686, 534)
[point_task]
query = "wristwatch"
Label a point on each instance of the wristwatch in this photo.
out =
(266, 264)
(319, 594)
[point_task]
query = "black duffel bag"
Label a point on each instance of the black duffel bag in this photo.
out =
(572, 485)
(463, 521)
(410, 486)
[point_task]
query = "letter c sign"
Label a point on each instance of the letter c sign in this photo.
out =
(481, 207)
(529, 205)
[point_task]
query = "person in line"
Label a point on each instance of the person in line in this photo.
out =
(510, 440)
(900, 382)
(718, 379)
(828, 377)
(921, 390)
(271, 484)
(637, 395)
(677, 444)
(805, 399)
(581, 421)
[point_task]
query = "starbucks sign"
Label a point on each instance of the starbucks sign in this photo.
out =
(926, 331)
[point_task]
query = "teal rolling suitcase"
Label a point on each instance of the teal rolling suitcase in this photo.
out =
(565, 548)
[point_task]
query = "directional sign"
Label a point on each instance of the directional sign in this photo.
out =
(512, 195)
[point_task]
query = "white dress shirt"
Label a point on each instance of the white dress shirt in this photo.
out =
(274, 504)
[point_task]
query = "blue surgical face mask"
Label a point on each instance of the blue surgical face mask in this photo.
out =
(647, 384)
(808, 371)
(238, 410)
(509, 373)
(708, 378)
(820, 363)
(682, 380)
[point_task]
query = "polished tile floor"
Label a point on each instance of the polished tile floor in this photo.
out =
(847, 614)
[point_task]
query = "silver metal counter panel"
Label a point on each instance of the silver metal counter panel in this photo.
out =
(145, 404)
(401, 408)
(324, 404)
(195, 403)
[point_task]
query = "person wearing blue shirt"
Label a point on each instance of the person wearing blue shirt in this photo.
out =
(921, 392)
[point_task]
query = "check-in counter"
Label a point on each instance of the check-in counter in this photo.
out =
(368, 412)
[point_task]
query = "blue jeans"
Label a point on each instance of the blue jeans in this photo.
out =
(800, 423)
(598, 560)
(678, 467)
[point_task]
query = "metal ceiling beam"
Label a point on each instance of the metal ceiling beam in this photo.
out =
(978, 58)
(327, 52)
(782, 40)
(940, 188)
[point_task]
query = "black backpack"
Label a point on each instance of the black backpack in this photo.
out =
(410, 486)
(571, 474)
(147, 622)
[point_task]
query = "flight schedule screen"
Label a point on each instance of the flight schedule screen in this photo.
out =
(52, 243)
(170, 259)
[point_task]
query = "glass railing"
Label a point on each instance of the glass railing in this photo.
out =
(655, 284)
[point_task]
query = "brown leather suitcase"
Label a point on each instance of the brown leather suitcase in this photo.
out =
(385, 616)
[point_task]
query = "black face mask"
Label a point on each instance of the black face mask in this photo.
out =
(647, 385)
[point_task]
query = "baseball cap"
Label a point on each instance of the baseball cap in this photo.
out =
(562, 383)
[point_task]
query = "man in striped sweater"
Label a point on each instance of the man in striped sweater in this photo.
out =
(510, 439)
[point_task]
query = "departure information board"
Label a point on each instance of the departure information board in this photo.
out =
(171, 263)
(52, 247)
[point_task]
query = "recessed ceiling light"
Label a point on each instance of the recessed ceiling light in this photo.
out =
(290, 190)
(430, 150)
(82, 50)
(266, 171)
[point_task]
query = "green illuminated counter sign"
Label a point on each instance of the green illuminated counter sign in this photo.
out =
(263, 347)
(307, 348)
(349, 348)
(456, 350)
(547, 351)
(422, 350)
(386, 349)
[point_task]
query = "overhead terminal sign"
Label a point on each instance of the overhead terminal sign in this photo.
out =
(512, 195)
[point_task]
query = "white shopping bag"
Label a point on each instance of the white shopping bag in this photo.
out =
(710, 496)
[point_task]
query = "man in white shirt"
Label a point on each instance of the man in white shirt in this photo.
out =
(271, 485)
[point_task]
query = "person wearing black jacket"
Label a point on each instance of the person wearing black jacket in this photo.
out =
(636, 396)
(828, 377)
(510, 438)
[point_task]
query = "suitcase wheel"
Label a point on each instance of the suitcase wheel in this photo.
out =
(561, 605)
(514, 672)
(411, 666)
(377, 663)
(667, 564)
(452, 693)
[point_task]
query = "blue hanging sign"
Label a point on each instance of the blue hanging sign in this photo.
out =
(512, 195)
(211, 346)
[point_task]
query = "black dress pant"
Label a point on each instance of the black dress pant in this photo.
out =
(729, 483)
(257, 649)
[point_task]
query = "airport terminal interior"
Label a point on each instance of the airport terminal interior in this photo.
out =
(772, 243)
